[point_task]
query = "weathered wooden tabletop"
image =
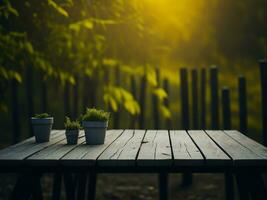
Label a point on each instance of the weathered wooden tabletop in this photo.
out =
(141, 148)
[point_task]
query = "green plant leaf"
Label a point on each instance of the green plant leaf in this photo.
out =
(165, 112)
(17, 77)
(110, 62)
(76, 27)
(151, 77)
(12, 10)
(58, 8)
(160, 93)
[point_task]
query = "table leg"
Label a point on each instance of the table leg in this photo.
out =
(187, 179)
(163, 186)
(229, 186)
(251, 185)
(75, 181)
(37, 192)
(56, 186)
(242, 186)
(82, 179)
(21, 190)
(92, 179)
(257, 187)
(26, 186)
(69, 186)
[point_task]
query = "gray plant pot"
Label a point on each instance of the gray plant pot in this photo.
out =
(72, 136)
(42, 128)
(95, 132)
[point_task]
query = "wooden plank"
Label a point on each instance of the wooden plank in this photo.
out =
(31, 140)
(123, 151)
(226, 108)
(142, 101)
(66, 98)
(117, 114)
(212, 152)
(155, 103)
(203, 97)
(214, 94)
(134, 93)
(185, 152)
(187, 178)
(155, 149)
(52, 154)
(263, 74)
(86, 155)
(240, 154)
(242, 103)
(245, 141)
(166, 102)
(195, 99)
(16, 153)
(184, 99)
(15, 110)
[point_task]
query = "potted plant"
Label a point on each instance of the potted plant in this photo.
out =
(72, 131)
(41, 126)
(95, 123)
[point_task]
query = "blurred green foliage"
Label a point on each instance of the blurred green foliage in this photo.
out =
(66, 40)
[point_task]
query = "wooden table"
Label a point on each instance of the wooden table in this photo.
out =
(135, 151)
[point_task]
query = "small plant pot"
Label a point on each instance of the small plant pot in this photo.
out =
(95, 132)
(42, 128)
(72, 136)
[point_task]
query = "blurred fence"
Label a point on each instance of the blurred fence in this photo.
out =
(194, 86)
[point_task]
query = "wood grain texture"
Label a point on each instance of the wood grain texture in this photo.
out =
(52, 154)
(155, 149)
(240, 154)
(245, 141)
(123, 151)
(211, 151)
(185, 152)
(143, 148)
(17, 153)
(86, 155)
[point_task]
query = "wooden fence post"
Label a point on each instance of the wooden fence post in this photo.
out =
(166, 102)
(94, 88)
(187, 177)
(226, 111)
(195, 111)
(75, 98)
(67, 99)
(263, 73)
(214, 98)
(226, 108)
(163, 178)
(29, 95)
(44, 106)
(142, 101)
(86, 92)
(106, 81)
(203, 99)
(15, 111)
(155, 103)
(134, 93)
(184, 99)
(116, 122)
(242, 99)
